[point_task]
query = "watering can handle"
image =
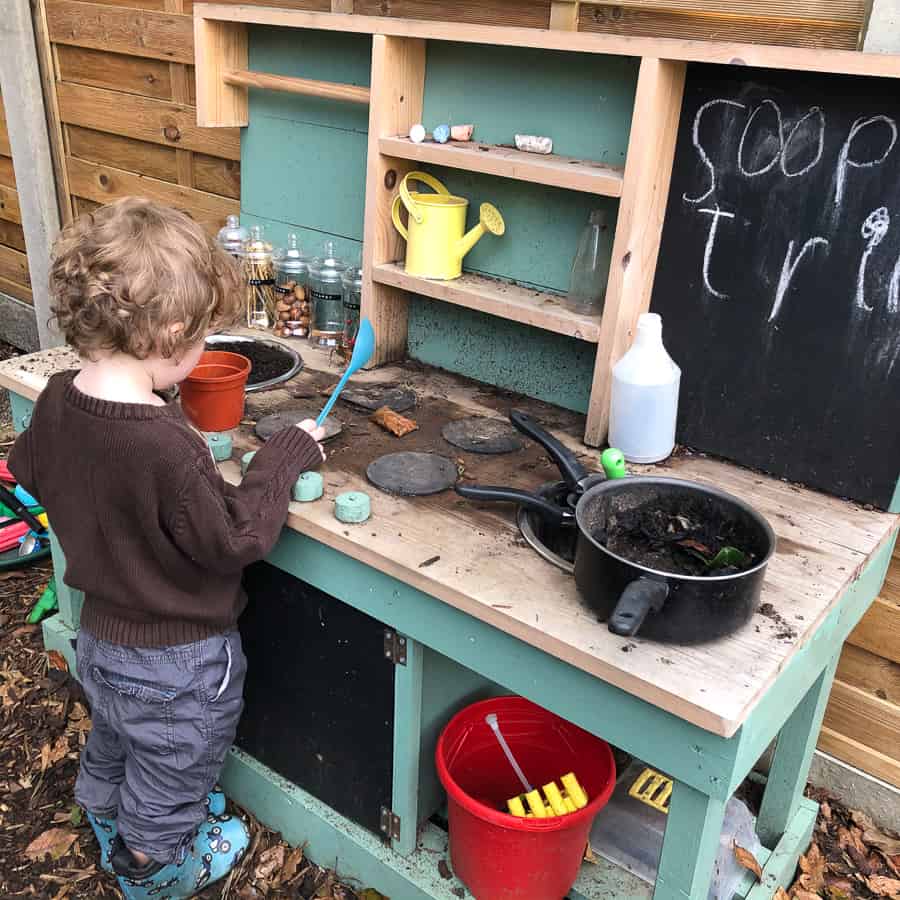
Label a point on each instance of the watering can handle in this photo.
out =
(408, 201)
(395, 216)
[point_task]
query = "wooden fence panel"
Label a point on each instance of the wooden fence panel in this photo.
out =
(14, 279)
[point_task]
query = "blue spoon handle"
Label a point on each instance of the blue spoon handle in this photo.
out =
(333, 398)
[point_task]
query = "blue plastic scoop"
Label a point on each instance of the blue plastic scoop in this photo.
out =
(362, 353)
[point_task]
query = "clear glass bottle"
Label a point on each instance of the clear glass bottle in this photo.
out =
(291, 301)
(326, 294)
(590, 268)
(352, 284)
(644, 403)
(233, 236)
(260, 279)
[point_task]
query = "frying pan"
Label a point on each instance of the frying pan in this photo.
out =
(633, 598)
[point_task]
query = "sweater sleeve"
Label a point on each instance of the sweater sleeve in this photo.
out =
(225, 527)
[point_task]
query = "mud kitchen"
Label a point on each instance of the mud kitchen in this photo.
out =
(403, 591)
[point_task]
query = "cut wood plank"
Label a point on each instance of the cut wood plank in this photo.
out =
(879, 630)
(868, 720)
(497, 298)
(525, 14)
(868, 672)
(652, 23)
(342, 6)
(221, 47)
(564, 14)
(869, 760)
(159, 35)
(7, 173)
(12, 235)
(891, 589)
(557, 171)
(4, 134)
(158, 5)
(308, 87)
(123, 153)
(851, 11)
(115, 71)
(19, 291)
(82, 205)
(104, 183)
(158, 121)
(398, 86)
(648, 170)
(9, 205)
(217, 176)
(881, 65)
(14, 266)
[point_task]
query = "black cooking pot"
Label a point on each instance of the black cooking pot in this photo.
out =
(681, 609)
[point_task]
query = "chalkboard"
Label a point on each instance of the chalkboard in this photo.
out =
(779, 275)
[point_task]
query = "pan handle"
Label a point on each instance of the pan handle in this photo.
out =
(549, 511)
(642, 596)
(573, 472)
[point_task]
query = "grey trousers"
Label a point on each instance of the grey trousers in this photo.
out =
(163, 720)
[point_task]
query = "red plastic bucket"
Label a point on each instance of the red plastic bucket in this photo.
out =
(496, 855)
(212, 396)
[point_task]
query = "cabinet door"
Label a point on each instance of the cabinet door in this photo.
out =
(319, 697)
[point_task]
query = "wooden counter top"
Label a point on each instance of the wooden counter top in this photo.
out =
(474, 558)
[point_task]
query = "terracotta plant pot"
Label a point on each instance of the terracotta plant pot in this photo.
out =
(212, 396)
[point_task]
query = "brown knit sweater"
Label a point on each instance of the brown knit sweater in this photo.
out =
(152, 534)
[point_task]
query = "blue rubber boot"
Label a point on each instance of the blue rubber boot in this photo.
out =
(219, 846)
(106, 829)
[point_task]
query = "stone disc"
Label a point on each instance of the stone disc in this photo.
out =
(481, 434)
(412, 474)
(375, 396)
(272, 424)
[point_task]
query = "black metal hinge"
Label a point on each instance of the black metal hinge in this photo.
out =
(394, 647)
(390, 824)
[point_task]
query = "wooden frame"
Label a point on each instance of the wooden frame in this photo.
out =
(395, 97)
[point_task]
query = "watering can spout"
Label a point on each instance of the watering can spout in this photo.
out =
(489, 220)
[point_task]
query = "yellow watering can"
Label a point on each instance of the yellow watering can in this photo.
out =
(436, 241)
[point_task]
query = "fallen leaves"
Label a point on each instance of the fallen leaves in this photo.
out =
(50, 756)
(746, 859)
(56, 842)
(812, 865)
(57, 661)
(884, 887)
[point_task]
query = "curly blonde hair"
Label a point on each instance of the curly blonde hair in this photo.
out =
(124, 274)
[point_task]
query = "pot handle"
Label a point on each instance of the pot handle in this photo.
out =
(572, 471)
(642, 596)
(549, 511)
(410, 204)
(395, 216)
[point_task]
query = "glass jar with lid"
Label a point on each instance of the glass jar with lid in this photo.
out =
(291, 301)
(351, 281)
(232, 237)
(259, 275)
(326, 294)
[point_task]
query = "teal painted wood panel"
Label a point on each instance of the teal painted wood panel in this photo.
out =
(324, 56)
(582, 101)
(516, 357)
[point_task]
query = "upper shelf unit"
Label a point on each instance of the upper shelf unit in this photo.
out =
(491, 159)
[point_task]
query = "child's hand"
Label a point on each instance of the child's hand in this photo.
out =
(316, 431)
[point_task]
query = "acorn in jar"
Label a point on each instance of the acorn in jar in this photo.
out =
(292, 302)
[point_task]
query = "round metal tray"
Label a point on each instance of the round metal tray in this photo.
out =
(214, 339)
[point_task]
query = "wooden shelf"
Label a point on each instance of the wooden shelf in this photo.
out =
(497, 298)
(491, 159)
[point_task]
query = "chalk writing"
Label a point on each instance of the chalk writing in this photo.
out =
(788, 270)
(893, 303)
(710, 243)
(820, 149)
(873, 231)
(845, 161)
(699, 147)
(781, 142)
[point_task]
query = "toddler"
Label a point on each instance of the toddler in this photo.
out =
(154, 537)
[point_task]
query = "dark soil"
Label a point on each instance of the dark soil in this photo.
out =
(676, 537)
(266, 361)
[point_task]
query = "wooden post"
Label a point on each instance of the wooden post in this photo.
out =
(26, 121)
(220, 47)
(397, 86)
(648, 170)
(564, 15)
(342, 6)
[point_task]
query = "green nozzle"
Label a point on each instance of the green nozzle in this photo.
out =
(613, 463)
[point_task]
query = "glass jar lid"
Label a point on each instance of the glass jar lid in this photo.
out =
(290, 258)
(352, 276)
(232, 236)
(257, 248)
(328, 266)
